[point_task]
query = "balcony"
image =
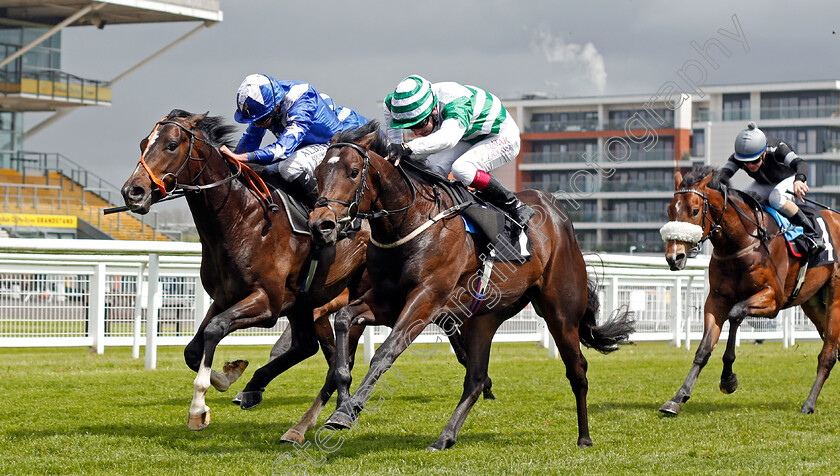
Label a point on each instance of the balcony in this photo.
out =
(48, 90)
(636, 155)
(562, 126)
(588, 186)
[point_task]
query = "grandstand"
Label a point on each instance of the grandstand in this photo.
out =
(44, 194)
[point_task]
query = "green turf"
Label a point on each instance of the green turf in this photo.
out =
(66, 411)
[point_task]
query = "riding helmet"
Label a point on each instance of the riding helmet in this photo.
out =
(750, 143)
(411, 102)
(256, 98)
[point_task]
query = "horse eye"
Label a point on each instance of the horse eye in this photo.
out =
(354, 173)
(695, 212)
(172, 146)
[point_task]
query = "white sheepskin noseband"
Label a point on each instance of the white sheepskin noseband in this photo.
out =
(681, 231)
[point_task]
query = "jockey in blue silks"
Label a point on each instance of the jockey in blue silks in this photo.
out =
(302, 120)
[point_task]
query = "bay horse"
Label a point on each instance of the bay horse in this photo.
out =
(415, 281)
(751, 273)
(252, 263)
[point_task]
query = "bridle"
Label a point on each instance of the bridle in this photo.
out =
(713, 227)
(353, 206)
(179, 189)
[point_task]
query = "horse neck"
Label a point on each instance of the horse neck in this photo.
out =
(218, 210)
(736, 231)
(395, 193)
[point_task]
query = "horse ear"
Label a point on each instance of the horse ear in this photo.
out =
(367, 140)
(678, 178)
(143, 144)
(705, 181)
(194, 120)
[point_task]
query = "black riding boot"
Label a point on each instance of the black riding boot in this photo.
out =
(496, 193)
(305, 189)
(809, 230)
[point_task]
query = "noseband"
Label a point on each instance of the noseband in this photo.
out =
(358, 196)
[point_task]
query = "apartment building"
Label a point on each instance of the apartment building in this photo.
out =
(610, 159)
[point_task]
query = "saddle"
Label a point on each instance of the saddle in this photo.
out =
(493, 230)
(296, 211)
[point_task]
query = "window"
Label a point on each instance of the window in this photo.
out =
(698, 143)
(736, 107)
(800, 104)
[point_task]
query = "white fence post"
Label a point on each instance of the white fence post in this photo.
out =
(202, 303)
(368, 349)
(152, 309)
(677, 309)
(138, 313)
(96, 313)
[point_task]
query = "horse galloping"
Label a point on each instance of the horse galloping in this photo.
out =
(416, 280)
(252, 263)
(750, 274)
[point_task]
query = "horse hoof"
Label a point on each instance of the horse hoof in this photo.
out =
(292, 436)
(806, 409)
(250, 400)
(237, 399)
(729, 385)
(488, 394)
(339, 421)
(584, 442)
(199, 422)
(670, 408)
(233, 370)
(440, 444)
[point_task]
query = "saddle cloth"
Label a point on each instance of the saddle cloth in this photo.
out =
(492, 229)
(797, 243)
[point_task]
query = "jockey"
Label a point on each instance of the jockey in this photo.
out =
(303, 122)
(457, 128)
(775, 169)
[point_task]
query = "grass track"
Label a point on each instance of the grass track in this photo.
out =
(66, 411)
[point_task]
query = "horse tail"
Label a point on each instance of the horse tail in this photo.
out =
(606, 337)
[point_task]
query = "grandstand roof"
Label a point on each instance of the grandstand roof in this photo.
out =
(52, 12)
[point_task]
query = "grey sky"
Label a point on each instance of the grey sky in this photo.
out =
(358, 51)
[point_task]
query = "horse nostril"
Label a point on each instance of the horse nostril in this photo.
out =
(326, 225)
(136, 192)
(680, 257)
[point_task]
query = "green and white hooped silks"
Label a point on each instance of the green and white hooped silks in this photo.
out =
(411, 102)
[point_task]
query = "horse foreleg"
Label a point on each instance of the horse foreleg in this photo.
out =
(476, 358)
(304, 345)
(296, 433)
(715, 315)
(828, 355)
(416, 315)
(728, 379)
(355, 316)
(254, 306)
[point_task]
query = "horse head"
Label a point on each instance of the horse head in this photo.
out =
(165, 160)
(347, 181)
(689, 214)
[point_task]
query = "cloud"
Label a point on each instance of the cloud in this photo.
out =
(581, 59)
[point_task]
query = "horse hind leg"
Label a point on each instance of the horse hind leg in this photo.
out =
(828, 354)
(456, 339)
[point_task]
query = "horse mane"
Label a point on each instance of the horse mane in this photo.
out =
(213, 128)
(379, 144)
(697, 174)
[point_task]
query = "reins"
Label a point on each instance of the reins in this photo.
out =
(353, 207)
(252, 178)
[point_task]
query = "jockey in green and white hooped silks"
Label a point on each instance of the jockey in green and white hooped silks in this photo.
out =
(455, 128)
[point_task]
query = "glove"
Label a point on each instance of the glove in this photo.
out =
(398, 151)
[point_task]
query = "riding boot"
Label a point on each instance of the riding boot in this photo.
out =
(305, 189)
(496, 193)
(815, 241)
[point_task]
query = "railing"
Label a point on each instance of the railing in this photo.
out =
(54, 84)
(98, 294)
(40, 163)
(768, 113)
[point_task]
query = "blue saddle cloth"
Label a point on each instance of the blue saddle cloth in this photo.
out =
(792, 231)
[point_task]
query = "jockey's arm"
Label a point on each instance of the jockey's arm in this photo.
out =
(450, 133)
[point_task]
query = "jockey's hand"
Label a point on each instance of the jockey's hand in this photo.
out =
(800, 189)
(226, 151)
(397, 152)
